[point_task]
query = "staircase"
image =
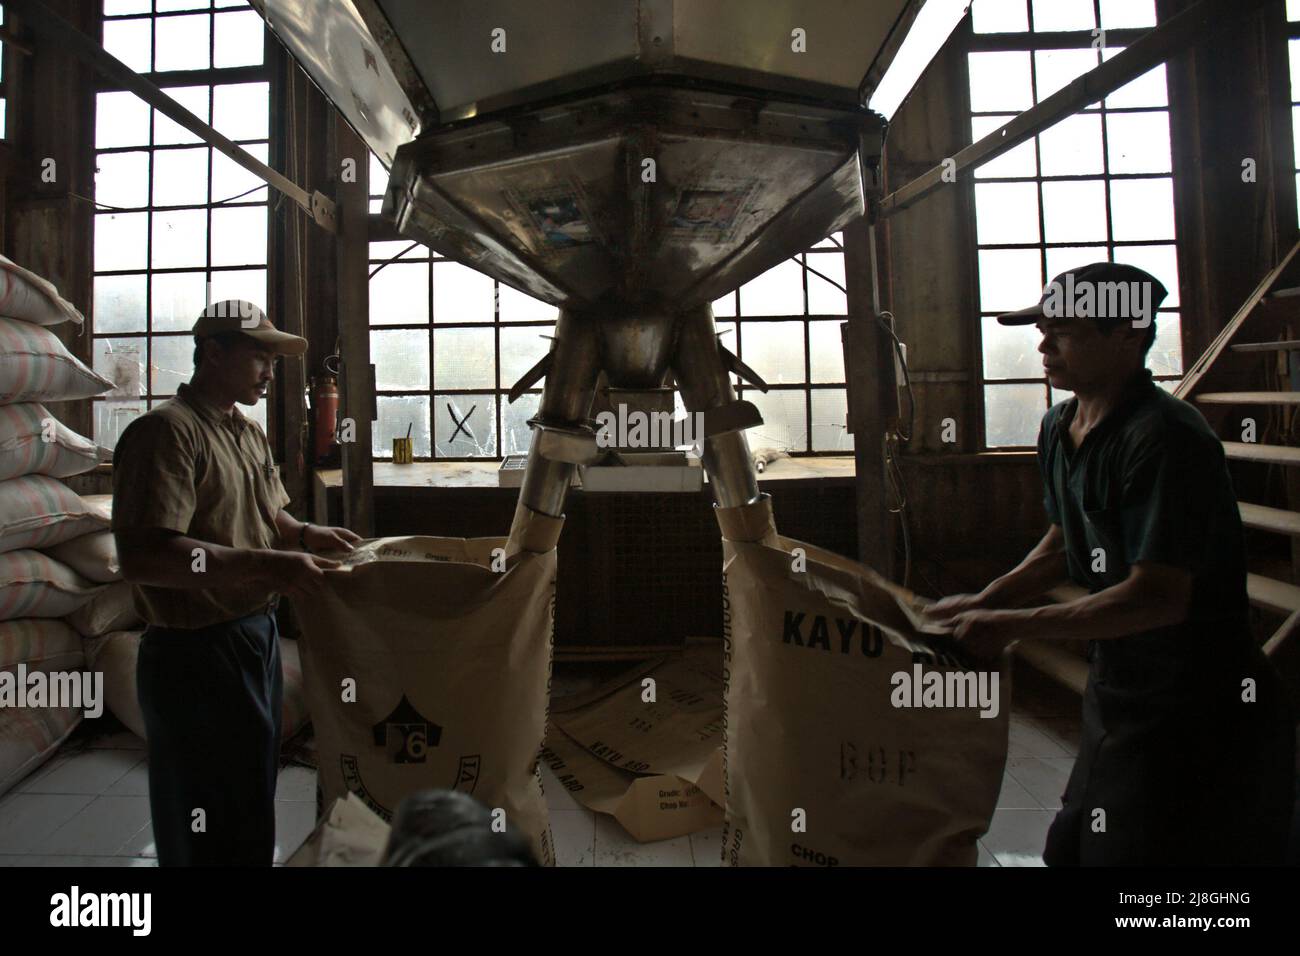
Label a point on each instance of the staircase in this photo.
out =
(1273, 309)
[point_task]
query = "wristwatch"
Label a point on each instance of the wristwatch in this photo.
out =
(302, 536)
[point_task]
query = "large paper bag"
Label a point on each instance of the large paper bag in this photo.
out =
(425, 668)
(820, 767)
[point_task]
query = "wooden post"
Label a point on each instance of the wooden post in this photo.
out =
(357, 387)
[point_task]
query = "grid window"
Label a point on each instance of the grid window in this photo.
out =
(449, 342)
(178, 225)
(1096, 186)
(4, 97)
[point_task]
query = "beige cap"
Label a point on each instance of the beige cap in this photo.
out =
(236, 315)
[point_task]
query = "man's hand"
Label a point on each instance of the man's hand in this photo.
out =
(954, 604)
(320, 538)
(986, 633)
(296, 574)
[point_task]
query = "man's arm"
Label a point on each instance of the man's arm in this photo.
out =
(164, 558)
(1152, 596)
(1042, 569)
(317, 537)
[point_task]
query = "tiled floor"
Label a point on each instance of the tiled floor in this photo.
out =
(89, 806)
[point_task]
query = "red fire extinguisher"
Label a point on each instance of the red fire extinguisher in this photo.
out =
(325, 402)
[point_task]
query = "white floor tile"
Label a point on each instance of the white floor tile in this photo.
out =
(574, 832)
(26, 819)
(134, 783)
(103, 828)
(985, 857)
(77, 861)
(59, 759)
(294, 821)
(1014, 796)
(90, 771)
(141, 844)
(615, 848)
(557, 798)
(1066, 731)
(1044, 777)
(706, 847)
(1026, 741)
(1016, 837)
(296, 783)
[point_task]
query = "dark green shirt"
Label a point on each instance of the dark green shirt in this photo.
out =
(1150, 483)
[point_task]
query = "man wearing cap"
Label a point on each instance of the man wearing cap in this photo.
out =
(203, 537)
(1188, 747)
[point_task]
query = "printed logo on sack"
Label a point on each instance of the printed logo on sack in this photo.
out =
(405, 737)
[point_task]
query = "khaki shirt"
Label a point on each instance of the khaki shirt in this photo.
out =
(188, 467)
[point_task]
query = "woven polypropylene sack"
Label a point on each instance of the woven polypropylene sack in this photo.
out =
(30, 735)
(37, 511)
(34, 442)
(36, 367)
(821, 769)
(33, 584)
(25, 295)
(425, 668)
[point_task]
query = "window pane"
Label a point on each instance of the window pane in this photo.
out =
(378, 176)
(172, 362)
(1000, 16)
(1075, 211)
(241, 110)
(1012, 414)
(823, 297)
(1166, 355)
(515, 306)
(1011, 351)
(1021, 161)
(238, 236)
(775, 351)
(401, 359)
(121, 361)
(460, 294)
(1073, 147)
(1006, 213)
(830, 415)
(778, 291)
(1293, 10)
(381, 252)
(180, 239)
(516, 435)
(178, 300)
(1128, 14)
(130, 41)
(169, 6)
(726, 306)
(1294, 47)
(396, 415)
(114, 8)
(1010, 279)
(1161, 261)
(1057, 69)
(194, 99)
(121, 241)
(112, 416)
(122, 179)
(1148, 90)
(247, 284)
(464, 358)
(183, 43)
(1138, 142)
(180, 177)
(238, 39)
(1064, 258)
(521, 349)
(119, 303)
(1054, 15)
(229, 179)
(121, 119)
(1000, 82)
(1060, 395)
(1142, 209)
(399, 294)
(785, 422)
(827, 351)
(464, 426)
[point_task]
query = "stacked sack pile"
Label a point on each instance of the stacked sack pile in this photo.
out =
(63, 603)
(47, 532)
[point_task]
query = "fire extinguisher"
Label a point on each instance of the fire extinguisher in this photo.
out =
(325, 402)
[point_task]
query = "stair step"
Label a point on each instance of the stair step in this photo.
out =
(1285, 345)
(1269, 519)
(1249, 398)
(1272, 594)
(1270, 454)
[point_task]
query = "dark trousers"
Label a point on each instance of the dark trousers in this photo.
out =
(211, 702)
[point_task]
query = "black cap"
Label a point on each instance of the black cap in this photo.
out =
(1108, 293)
